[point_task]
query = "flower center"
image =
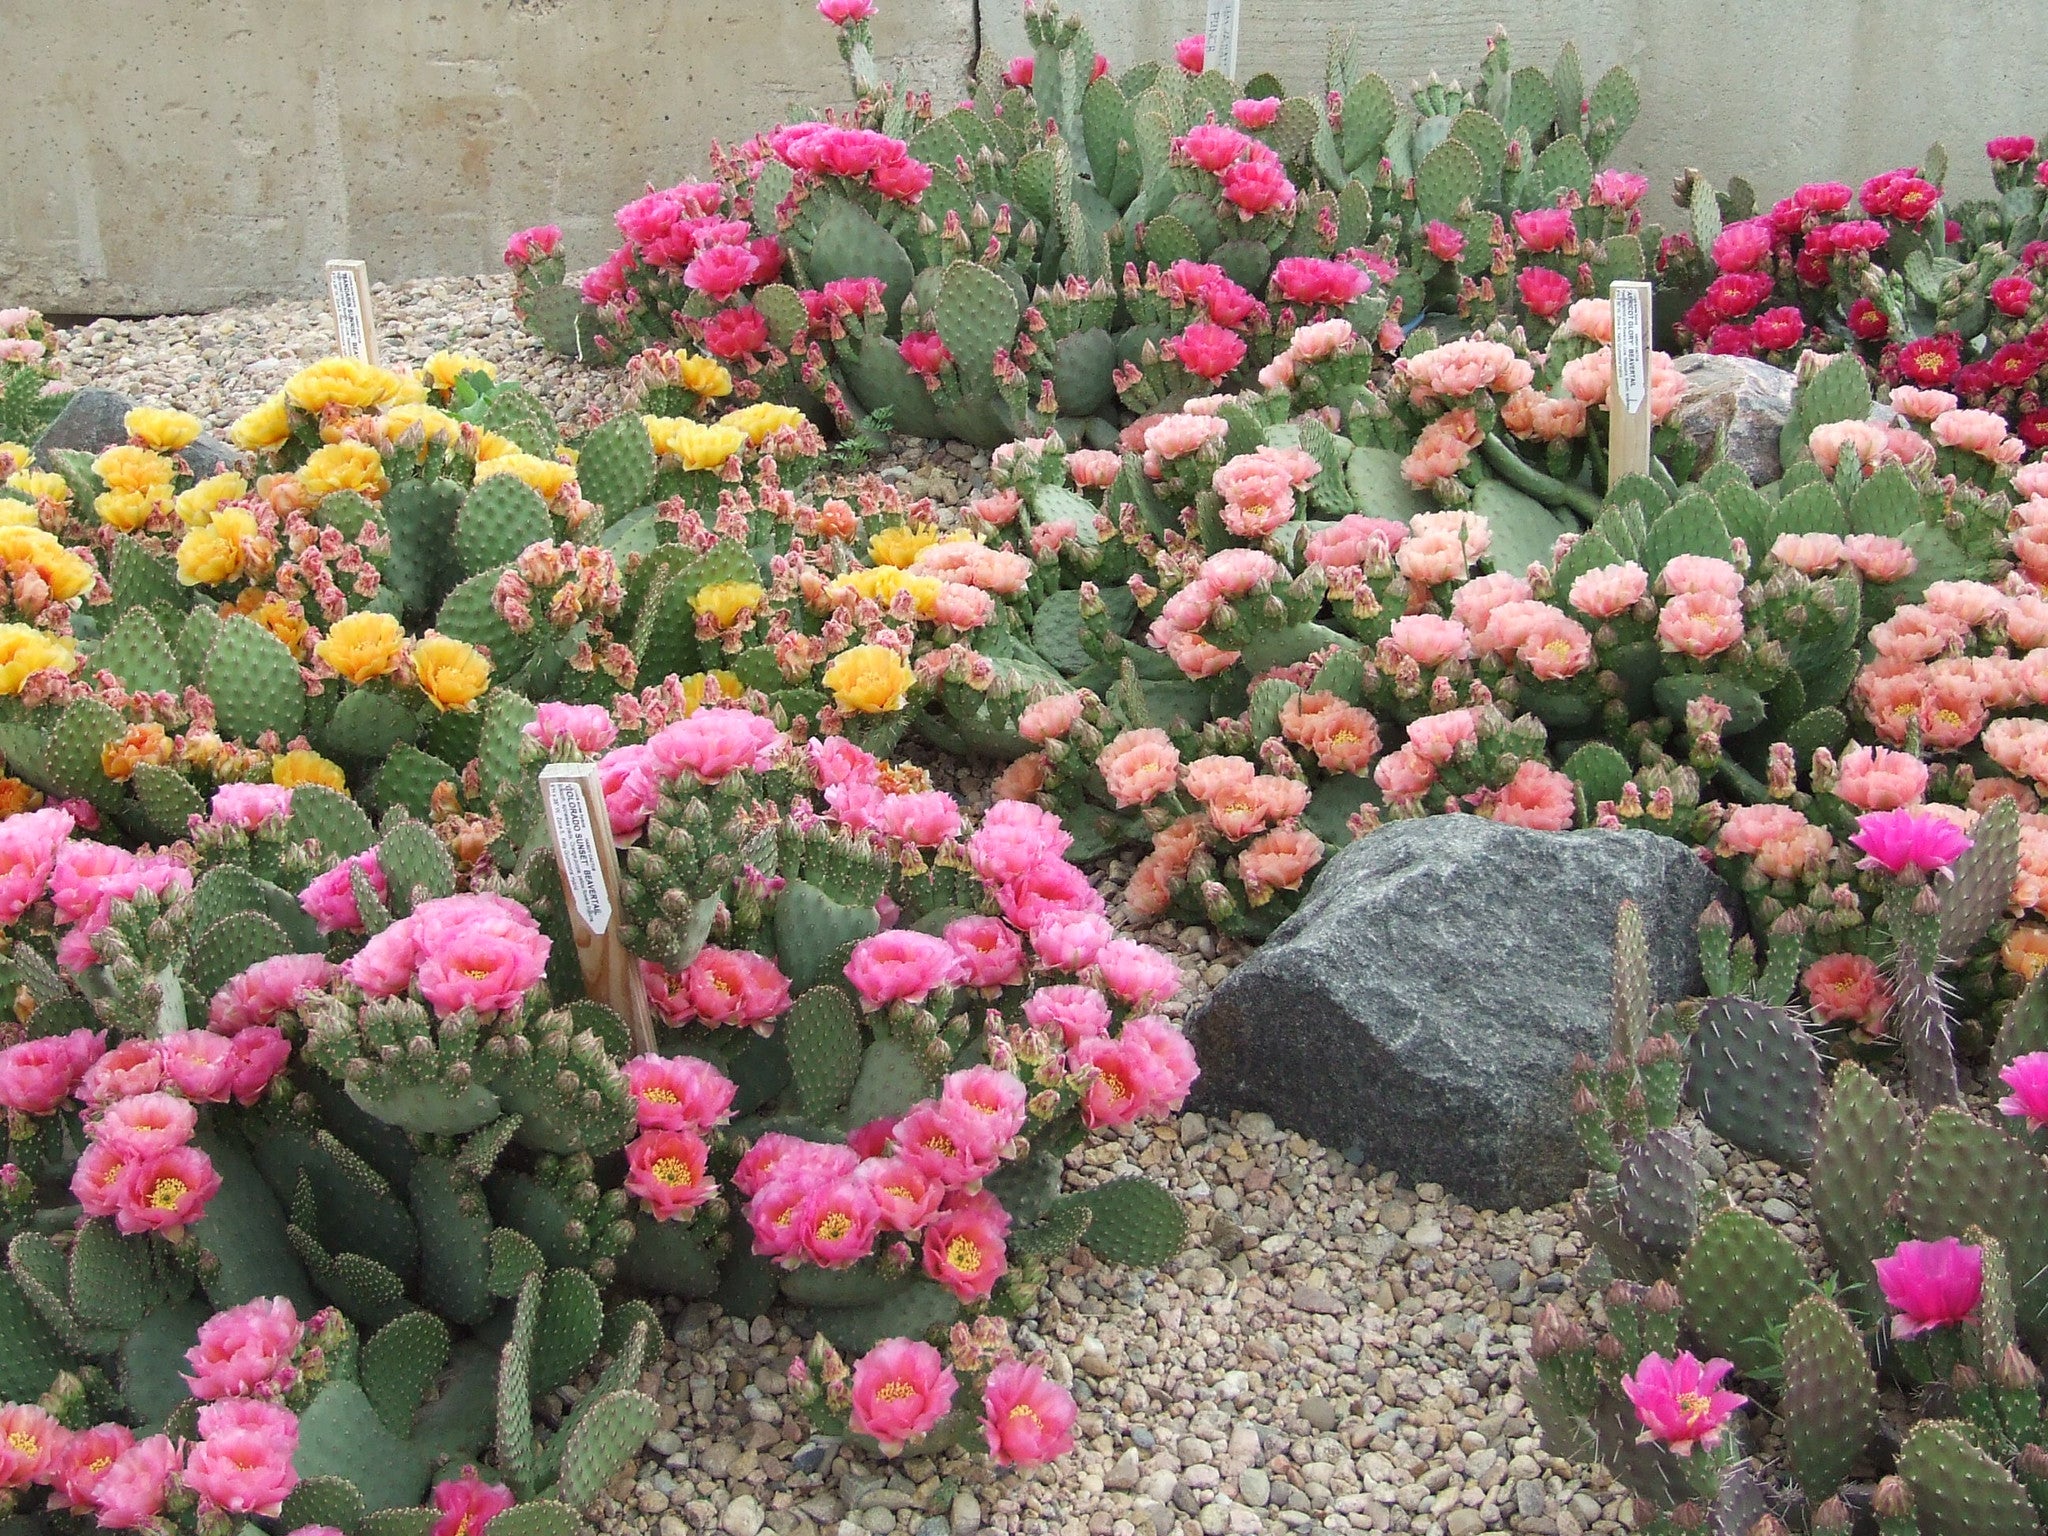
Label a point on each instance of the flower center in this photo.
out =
(1026, 1411)
(900, 1191)
(964, 1254)
(165, 1194)
(476, 973)
(99, 1464)
(673, 1172)
(24, 1442)
(834, 1226)
(942, 1144)
(895, 1391)
(1693, 1406)
(659, 1096)
(1115, 1086)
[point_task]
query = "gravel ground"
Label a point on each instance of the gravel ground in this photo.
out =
(1335, 1350)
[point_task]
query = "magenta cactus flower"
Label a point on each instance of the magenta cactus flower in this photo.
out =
(1679, 1402)
(1931, 1285)
(1909, 843)
(2027, 1077)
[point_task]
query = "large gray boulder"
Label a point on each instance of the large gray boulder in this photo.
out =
(1734, 408)
(91, 421)
(1424, 1005)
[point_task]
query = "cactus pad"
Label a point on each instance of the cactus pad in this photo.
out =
(328, 1501)
(1957, 1489)
(501, 517)
(608, 1435)
(1859, 1161)
(1965, 1174)
(1135, 1222)
(1977, 896)
(409, 778)
(1829, 1405)
(1660, 1192)
(254, 683)
(168, 800)
(136, 652)
(399, 1363)
(1756, 1078)
(331, 819)
(1739, 1281)
(341, 1435)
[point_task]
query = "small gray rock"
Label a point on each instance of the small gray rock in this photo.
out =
(1320, 1412)
(1780, 1211)
(1505, 1274)
(814, 1453)
(1429, 996)
(742, 1517)
(1254, 1486)
(1123, 1476)
(966, 1513)
(1734, 408)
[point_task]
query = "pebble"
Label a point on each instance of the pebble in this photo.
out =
(1336, 1350)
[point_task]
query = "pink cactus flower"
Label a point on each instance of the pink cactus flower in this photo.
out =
(2027, 1077)
(1848, 989)
(28, 854)
(1192, 53)
(1255, 111)
(164, 1193)
(1679, 1402)
(901, 1388)
(1207, 351)
(835, 760)
(587, 727)
(1020, 71)
(531, 245)
(776, 1155)
(330, 899)
(1027, 1419)
(1907, 843)
(840, 13)
(1537, 797)
(1076, 1013)
(989, 951)
(924, 353)
(713, 743)
(679, 1093)
(30, 1440)
(905, 1196)
(947, 1142)
(467, 1503)
(988, 1099)
(838, 1221)
(384, 966)
(900, 966)
(1546, 229)
(1126, 1080)
(267, 989)
(245, 1351)
(665, 1170)
(1546, 293)
(1618, 189)
(129, 1495)
(133, 1066)
(489, 972)
(144, 1125)
(1068, 940)
(199, 1064)
(1139, 975)
(1256, 186)
(1931, 1285)
(964, 1251)
(1445, 241)
(36, 1076)
(83, 1461)
(1014, 838)
(248, 806)
(736, 987)
(259, 1053)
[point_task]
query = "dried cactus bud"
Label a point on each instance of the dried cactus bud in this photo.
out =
(1832, 1519)
(2012, 1371)
(2033, 1463)
(1622, 1293)
(1663, 1298)
(1609, 1350)
(1555, 1334)
(1689, 1516)
(1965, 1380)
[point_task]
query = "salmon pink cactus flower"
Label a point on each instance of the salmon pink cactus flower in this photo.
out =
(468, 1504)
(1879, 779)
(1931, 1285)
(901, 1388)
(665, 1169)
(964, 1251)
(1908, 844)
(1028, 1419)
(83, 1461)
(1848, 989)
(2027, 1077)
(144, 1125)
(166, 1192)
(130, 1494)
(38, 1075)
(28, 855)
(679, 1093)
(1679, 1402)
(736, 987)
(245, 1351)
(29, 1442)
(242, 1464)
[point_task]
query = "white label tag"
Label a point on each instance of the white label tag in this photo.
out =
(1221, 38)
(349, 302)
(581, 875)
(1631, 345)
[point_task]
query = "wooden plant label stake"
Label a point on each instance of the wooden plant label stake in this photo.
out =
(348, 295)
(1628, 399)
(589, 862)
(1220, 38)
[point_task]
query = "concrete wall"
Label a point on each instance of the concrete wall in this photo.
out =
(192, 155)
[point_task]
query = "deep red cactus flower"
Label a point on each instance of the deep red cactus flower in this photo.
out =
(735, 333)
(1822, 197)
(1741, 247)
(1780, 329)
(1867, 322)
(2032, 429)
(1734, 294)
(2013, 293)
(1855, 235)
(1544, 291)
(2013, 365)
(1930, 361)
(2012, 149)
(1732, 341)
(1913, 199)
(924, 353)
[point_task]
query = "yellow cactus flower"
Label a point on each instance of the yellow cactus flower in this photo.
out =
(452, 674)
(444, 368)
(693, 445)
(900, 546)
(126, 468)
(435, 425)
(14, 457)
(263, 430)
(869, 680)
(351, 383)
(16, 797)
(544, 475)
(344, 466)
(25, 652)
(705, 377)
(64, 573)
(18, 514)
(491, 446)
(758, 421)
(165, 431)
(701, 688)
(293, 769)
(40, 485)
(135, 746)
(129, 510)
(877, 583)
(196, 506)
(286, 620)
(725, 601)
(363, 646)
(230, 545)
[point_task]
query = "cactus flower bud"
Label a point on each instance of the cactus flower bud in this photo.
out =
(1832, 1519)
(1663, 1298)
(1893, 1499)
(2033, 1463)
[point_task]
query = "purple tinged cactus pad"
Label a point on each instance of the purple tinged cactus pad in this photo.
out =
(1755, 1077)
(1828, 1408)
(1957, 1489)
(1982, 882)
(1860, 1160)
